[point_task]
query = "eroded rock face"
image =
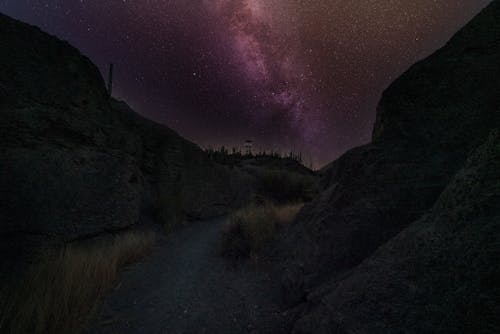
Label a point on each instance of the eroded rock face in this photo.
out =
(428, 122)
(75, 163)
(439, 275)
(63, 171)
(446, 101)
(69, 193)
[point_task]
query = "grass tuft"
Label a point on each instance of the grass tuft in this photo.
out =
(62, 290)
(250, 228)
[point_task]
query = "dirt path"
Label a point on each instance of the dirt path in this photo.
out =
(185, 287)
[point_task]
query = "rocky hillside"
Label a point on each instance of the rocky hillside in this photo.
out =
(404, 237)
(75, 163)
(439, 275)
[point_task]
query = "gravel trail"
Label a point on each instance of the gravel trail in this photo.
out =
(185, 287)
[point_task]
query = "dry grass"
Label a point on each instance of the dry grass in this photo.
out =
(62, 290)
(250, 228)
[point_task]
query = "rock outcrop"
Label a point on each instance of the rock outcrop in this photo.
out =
(439, 275)
(356, 259)
(75, 163)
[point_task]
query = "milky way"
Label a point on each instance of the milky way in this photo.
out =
(288, 74)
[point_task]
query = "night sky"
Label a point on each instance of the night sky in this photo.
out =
(288, 74)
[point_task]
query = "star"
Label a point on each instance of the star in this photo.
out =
(284, 73)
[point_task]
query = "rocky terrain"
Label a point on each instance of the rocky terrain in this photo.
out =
(75, 163)
(439, 275)
(405, 235)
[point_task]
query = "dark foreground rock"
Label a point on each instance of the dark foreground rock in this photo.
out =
(439, 275)
(436, 275)
(75, 163)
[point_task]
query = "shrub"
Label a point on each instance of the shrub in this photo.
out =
(284, 187)
(250, 228)
(170, 209)
(61, 291)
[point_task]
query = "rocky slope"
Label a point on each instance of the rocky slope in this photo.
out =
(439, 275)
(75, 163)
(384, 249)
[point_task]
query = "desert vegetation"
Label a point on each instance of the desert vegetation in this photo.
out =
(283, 186)
(61, 291)
(224, 155)
(235, 156)
(249, 229)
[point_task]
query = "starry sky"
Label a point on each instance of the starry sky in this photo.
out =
(302, 75)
